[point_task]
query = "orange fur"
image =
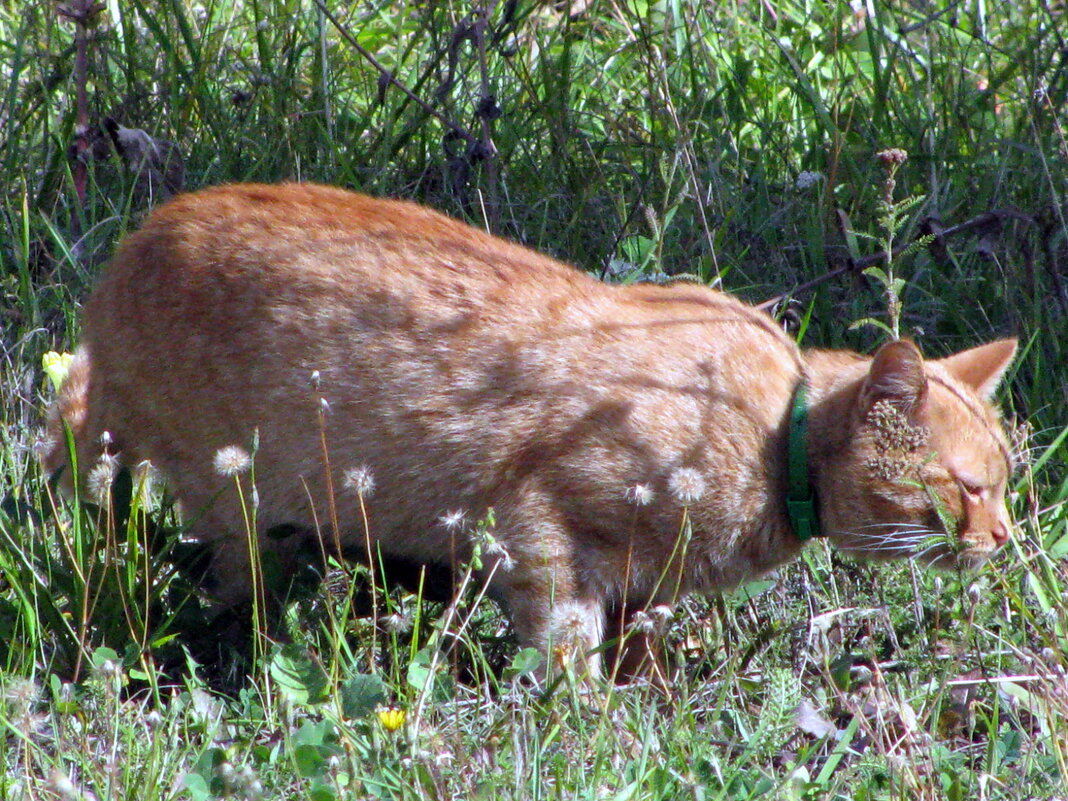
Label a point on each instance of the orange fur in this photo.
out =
(471, 373)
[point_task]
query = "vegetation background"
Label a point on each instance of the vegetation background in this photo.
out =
(734, 142)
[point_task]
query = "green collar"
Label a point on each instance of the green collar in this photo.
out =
(800, 498)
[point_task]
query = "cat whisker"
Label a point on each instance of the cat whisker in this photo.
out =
(911, 538)
(895, 535)
(877, 546)
(900, 527)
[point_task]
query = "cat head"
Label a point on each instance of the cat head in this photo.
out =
(922, 462)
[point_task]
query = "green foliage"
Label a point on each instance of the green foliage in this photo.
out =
(734, 142)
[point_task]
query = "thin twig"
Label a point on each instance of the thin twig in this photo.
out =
(388, 76)
(981, 221)
(82, 13)
(487, 112)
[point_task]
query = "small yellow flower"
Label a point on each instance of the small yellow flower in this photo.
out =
(391, 717)
(56, 366)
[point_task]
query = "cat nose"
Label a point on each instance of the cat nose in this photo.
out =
(1000, 533)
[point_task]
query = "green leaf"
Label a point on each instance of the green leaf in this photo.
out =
(104, 654)
(752, 589)
(523, 663)
(309, 760)
(298, 677)
(317, 734)
(878, 274)
(422, 679)
(872, 322)
(839, 668)
(197, 787)
(206, 769)
(361, 694)
(64, 703)
(418, 673)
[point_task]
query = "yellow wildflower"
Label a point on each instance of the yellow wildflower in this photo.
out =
(56, 366)
(391, 717)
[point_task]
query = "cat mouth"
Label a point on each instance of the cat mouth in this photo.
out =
(966, 552)
(969, 558)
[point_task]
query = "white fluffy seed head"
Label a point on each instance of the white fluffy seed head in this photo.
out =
(453, 520)
(101, 475)
(397, 623)
(662, 613)
(687, 485)
(232, 460)
(640, 494)
(360, 480)
(642, 622)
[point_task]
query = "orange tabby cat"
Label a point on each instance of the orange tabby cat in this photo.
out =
(463, 372)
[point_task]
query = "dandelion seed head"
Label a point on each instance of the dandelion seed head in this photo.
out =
(640, 494)
(62, 787)
(44, 446)
(22, 694)
(662, 613)
(687, 485)
(453, 520)
(232, 460)
(643, 623)
(98, 482)
(397, 623)
(571, 627)
(360, 480)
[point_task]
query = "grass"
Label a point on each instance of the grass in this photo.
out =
(635, 136)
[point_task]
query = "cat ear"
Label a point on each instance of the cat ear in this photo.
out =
(982, 368)
(896, 375)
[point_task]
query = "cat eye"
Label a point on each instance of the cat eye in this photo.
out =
(970, 489)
